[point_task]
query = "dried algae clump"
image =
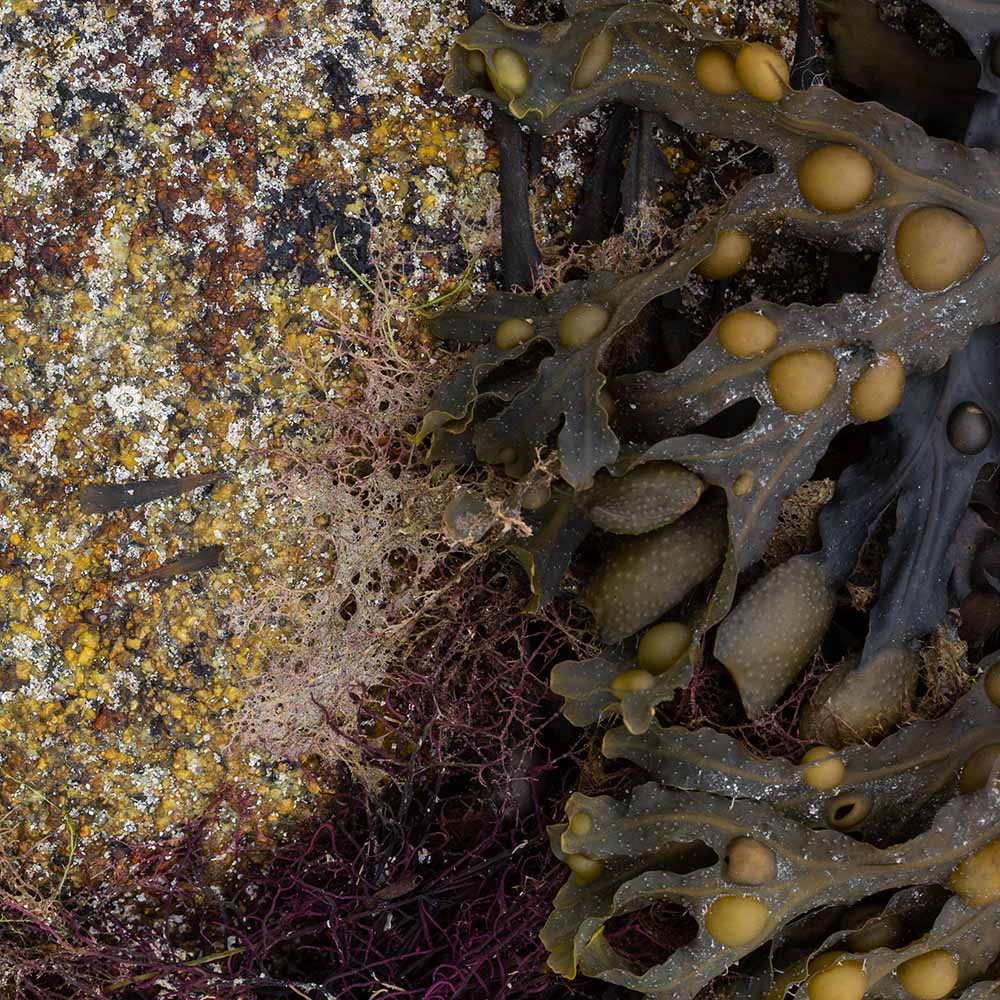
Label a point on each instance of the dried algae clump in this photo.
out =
(744, 334)
(649, 497)
(836, 178)
(802, 380)
(749, 862)
(762, 71)
(976, 880)
(593, 60)
(662, 646)
(936, 247)
(822, 769)
(774, 630)
(715, 70)
(878, 389)
(929, 976)
(736, 921)
(834, 978)
(644, 576)
(729, 256)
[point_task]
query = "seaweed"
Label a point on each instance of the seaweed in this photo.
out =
(976, 23)
(937, 92)
(679, 459)
(651, 65)
(606, 684)
(548, 370)
(521, 262)
(922, 463)
(917, 768)
(812, 869)
(888, 943)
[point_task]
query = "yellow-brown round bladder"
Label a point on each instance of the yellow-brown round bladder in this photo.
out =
(834, 976)
(992, 684)
(749, 862)
(715, 70)
(632, 680)
(663, 645)
(476, 62)
(731, 252)
(512, 332)
(822, 769)
(582, 323)
(735, 921)
(848, 810)
(594, 60)
(936, 247)
(877, 391)
(801, 380)
(976, 879)
(585, 870)
(836, 178)
(929, 976)
(744, 333)
(762, 71)
(509, 74)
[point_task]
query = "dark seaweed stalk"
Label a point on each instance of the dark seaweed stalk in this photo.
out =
(190, 562)
(601, 198)
(646, 169)
(521, 260)
(102, 498)
(807, 66)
